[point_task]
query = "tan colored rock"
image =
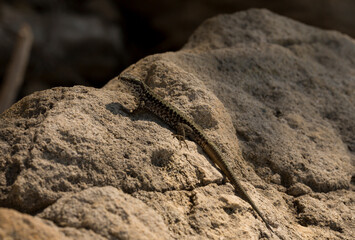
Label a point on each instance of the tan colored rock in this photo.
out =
(298, 189)
(68, 139)
(328, 214)
(18, 226)
(275, 95)
(109, 213)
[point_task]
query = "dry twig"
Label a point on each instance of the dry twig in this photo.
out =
(16, 69)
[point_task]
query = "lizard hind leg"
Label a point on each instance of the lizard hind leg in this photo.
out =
(181, 134)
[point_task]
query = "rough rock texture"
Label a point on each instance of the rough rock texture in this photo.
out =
(275, 95)
(109, 213)
(18, 226)
(14, 225)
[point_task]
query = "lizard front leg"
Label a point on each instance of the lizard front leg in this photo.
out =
(137, 109)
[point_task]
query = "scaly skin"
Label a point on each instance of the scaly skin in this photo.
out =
(184, 126)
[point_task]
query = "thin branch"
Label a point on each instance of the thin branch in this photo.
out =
(17, 67)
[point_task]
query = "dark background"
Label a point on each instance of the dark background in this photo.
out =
(88, 42)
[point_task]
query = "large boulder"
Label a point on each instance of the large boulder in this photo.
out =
(276, 96)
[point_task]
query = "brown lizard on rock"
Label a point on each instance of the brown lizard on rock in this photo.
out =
(185, 127)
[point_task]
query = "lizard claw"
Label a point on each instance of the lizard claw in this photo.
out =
(181, 139)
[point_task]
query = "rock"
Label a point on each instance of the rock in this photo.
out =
(276, 178)
(275, 95)
(327, 211)
(298, 189)
(18, 226)
(109, 213)
(15, 225)
(51, 149)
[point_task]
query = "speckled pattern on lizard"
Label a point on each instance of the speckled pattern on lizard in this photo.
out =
(185, 127)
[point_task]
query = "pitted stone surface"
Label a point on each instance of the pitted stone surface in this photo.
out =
(275, 95)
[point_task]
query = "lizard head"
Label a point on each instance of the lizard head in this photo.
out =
(132, 82)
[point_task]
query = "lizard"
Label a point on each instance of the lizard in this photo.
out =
(185, 127)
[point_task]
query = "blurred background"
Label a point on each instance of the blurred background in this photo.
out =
(88, 42)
